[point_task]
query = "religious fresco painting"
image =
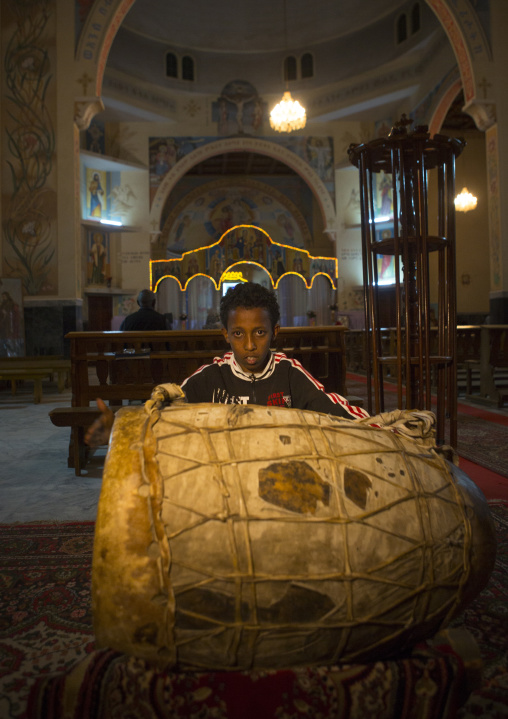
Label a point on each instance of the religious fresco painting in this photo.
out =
(96, 197)
(12, 329)
(239, 110)
(385, 263)
(107, 196)
(96, 137)
(317, 152)
(203, 216)
(99, 263)
(245, 243)
(28, 173)
(383, 196)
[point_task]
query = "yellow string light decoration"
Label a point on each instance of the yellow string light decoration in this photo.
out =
(160, 269)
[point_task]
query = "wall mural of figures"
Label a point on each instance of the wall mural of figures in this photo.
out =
(12, 329)
(106, 195)
(165, 152)
(99, 265)
(244, 244)
(28, 173)
(316, 152)
(96, 198)
(239, 109)
(383, 197)
(207, 212)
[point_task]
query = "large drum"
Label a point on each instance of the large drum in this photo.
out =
(235, 537)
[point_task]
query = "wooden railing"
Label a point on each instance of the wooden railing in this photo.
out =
(483, 348)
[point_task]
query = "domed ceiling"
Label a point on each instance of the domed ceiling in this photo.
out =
(361, 69)
(248, 26)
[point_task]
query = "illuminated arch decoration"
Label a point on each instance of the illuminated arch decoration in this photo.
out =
(240, 244)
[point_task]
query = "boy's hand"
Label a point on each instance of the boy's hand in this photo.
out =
(98, 432)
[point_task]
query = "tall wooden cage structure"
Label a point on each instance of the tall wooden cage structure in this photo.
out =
(410, 257)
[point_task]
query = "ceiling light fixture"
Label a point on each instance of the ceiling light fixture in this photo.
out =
(465, 201)
(288, 115)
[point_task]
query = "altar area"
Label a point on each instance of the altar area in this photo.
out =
(190, 286)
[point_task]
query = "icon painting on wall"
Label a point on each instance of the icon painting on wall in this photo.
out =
(98, 258)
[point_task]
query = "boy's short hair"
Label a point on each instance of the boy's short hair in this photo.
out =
(249, 295)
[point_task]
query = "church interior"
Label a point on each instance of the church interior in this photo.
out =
(153, 138)
(139, 151)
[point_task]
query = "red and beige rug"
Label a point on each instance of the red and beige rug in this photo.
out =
(47, 653)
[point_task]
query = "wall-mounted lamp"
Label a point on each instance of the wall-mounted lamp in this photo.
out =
(465, 201)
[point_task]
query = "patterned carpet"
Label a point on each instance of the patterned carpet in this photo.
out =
(46, 624)
(45, 612)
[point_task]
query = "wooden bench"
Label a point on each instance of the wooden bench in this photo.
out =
(492, 361)
(123, 367)
(35, 369)
(78, 419)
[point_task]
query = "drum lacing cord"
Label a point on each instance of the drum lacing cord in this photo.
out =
(162, 395)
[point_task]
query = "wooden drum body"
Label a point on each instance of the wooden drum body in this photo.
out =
(235, 537)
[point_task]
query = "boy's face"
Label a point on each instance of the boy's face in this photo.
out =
(250, 332)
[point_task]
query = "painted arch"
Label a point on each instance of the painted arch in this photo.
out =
(245, 144)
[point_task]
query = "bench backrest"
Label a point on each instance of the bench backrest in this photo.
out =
(117, 366)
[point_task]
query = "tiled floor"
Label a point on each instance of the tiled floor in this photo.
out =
(35, 482)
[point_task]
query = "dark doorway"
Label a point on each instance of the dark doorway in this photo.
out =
(100, 312)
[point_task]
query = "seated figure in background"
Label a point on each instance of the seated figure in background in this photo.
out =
(146, 318)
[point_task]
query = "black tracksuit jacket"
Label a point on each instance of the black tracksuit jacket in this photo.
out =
(284, 382)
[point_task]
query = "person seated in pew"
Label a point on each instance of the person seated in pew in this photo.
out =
(251, 373)
(146, 318)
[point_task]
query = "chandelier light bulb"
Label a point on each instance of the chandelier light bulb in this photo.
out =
(288, 115)
(465, 201)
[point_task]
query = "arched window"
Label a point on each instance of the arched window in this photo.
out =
(171, 65)
(307, 65)
(401, 29)
(290, 68)
(415, 18)
(187, 68)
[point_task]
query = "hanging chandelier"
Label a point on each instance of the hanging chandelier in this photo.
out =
(288, 115)
(465, 201)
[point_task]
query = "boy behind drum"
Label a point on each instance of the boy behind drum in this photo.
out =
(250, 373)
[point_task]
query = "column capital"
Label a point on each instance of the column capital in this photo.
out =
(85, 109)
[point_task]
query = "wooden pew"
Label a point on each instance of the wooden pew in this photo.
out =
(123, 367)
(35, 369)
(493, 359)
